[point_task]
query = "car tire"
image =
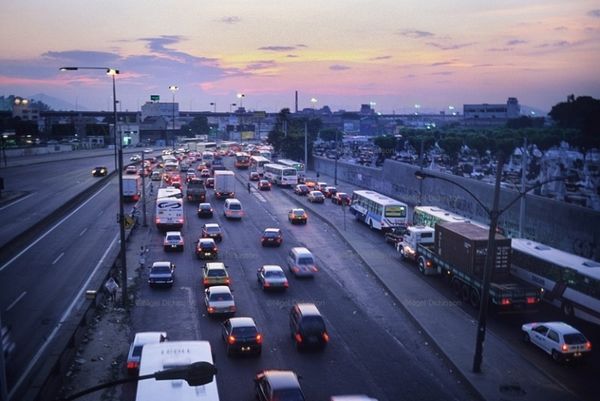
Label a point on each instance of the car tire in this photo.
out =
(556, 356)
(526, 337)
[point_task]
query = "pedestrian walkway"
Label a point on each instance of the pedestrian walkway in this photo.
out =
(505, 374)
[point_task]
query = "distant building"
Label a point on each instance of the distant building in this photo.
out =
(22, 109)
(158, 109)
(487, 111)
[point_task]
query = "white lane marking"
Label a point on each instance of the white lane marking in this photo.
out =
(16, 201)
(260, 197)
(58, 258)
(51, 229)
(15, 301)
(83, 232)
(61, 321)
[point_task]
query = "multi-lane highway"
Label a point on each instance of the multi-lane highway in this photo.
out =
(375, 348)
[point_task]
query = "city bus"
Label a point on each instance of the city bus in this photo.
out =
(429, 215)
(257, 163)
(208, 157)
(174, 354)
(281, 175)
(569, 282)
(290, 163)
(242, 160)
(378, 211)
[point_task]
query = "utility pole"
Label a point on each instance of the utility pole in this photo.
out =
(144, 187)
(524, 162)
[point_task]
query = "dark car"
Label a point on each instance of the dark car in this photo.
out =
(206, 248)
(341, 198)
(254, 176)
(210, 182)
(264, 185)
(271, 237)
(329, 191)
(278, 385)
(241, 336)
(307, 326)
(205, 210)
(99, 171)
(162, 274)
(212, 230)
(297, 215)
(301, 190)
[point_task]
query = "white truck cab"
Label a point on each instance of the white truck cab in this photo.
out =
(415, 235)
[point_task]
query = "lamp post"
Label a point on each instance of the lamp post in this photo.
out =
(214, 105)
(336, 160)
(231, 105)
(493, 215)
(195, 374)
(121, 217)
(241, 96)
(173, 89)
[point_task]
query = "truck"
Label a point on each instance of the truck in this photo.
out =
(132, 188)
(224, 184)
(196, 191)
(458, 252)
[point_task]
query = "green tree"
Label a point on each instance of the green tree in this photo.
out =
(329, 134)
(198, 126)
(387, 144)
(582, 113)
(479, 143)
(451, 146)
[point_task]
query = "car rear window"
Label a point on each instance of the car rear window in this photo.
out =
(173, 238)
(161, 269)
(137, 350)
(270, 234)
(245, 331)
(575, 338)
(216, 273)
(299, 212)
(221, 297)
(235, 206)
(305, 260)
(313, 324)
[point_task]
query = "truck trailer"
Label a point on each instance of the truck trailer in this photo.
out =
(458, 251)
(224, 184)
(132, 188)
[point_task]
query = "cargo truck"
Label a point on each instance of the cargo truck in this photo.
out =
(224, 184)
(196, 191)
(132, 188)
(458, 251)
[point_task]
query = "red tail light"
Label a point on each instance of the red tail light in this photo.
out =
(588, 346)
(133, 365)
(157, 221)
(532, 300)
(298, 337)
(314, 268)
(259, 338)
(505, 301)
(326, 337)
(205, 281)
(211, 309)
(564, 348)
(266, 284)
(231, 339)
(286, 284)
(180, 221)
(227, 281)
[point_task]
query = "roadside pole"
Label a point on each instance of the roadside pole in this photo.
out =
(144, 188)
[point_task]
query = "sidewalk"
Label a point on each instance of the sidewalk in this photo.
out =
(505, 374)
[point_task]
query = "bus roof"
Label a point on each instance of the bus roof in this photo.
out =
(258, 158)
(447, 216)
(379, 198)
(281, 166)
(584, 266)
(170, 354)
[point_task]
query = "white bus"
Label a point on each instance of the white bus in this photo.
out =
(174, 354)
(281, 175)
(208, 157)
(169, 213)
(257, 163)
(569, 282)
(169, 192)
(379, 211)
(290, 163)
(429, 215)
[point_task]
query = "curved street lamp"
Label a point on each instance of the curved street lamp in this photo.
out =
(173, 89)
(493, 214)
(241, 96)
(119, 147)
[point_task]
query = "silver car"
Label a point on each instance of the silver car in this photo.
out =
(219, 300)
(272, 277)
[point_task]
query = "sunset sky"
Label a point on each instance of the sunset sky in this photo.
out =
(341, 52)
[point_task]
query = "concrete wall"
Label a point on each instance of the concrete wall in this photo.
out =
(561, 225)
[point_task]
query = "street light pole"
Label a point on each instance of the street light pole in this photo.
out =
(173, 89)
(336, 159)
(121, 216)
(493, 214)
(214, 105)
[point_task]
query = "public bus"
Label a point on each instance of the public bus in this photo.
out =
(281, 175)
(569, 282)
(169, 209)
(429, 215)
(379, 211)
(242, 160)
(208, 157)
(290, 163)
(257, 163)
(174, 354)
(265, 153)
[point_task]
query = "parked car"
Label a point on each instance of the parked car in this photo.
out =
(254, 176)
(278, 385)
(212, 230)
(307, 326)
(162, 274)
(272, 277)
(341, 198)
(560, 340)
(100, 171)
(206, 248)
(135, 349)
(297, 215)
(241, 336)
(215, 273)
(173, 241)
(205, 210)
(315, 197)
(271, 237)
(219, 300)
(264, 185)
(301, 190)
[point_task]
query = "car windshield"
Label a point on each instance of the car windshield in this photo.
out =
(205, 207)
(221, 297)
(305, 260)
(216, 273)
(161, 269)
(288, 394)
(575, 338)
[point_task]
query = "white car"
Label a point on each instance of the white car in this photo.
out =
(135, 350)
(272, 277)
(135, 158)
(558, 339)
(219, 300)
(173, 241)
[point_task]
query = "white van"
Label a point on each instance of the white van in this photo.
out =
(233, 209)
(301, 262)
(166, 355)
